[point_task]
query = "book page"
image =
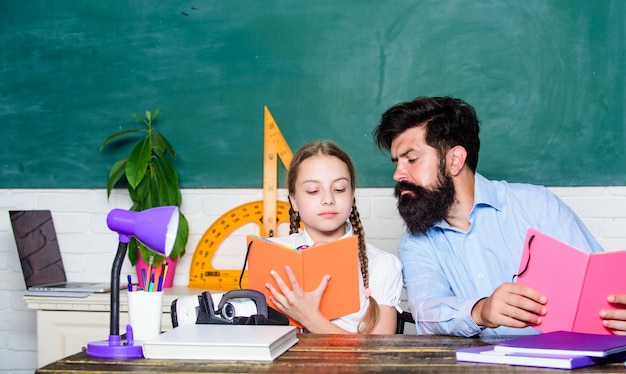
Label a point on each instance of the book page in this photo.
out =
(340, 259)
(557, 270)
(265, 256)
(605, 276)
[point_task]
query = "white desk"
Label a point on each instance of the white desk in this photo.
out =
(66, 324)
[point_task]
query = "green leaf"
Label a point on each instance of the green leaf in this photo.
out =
(181, 238)
(132, 250)
(147, 194)
(159, 141)
(120, 134)
(160, 187)
(134, 196)
(137, 164)
(169, 188)
(140, 195)
(116, 173)
(170, 171)
(145, 121)
(154, 190)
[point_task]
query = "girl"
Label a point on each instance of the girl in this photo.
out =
(321, 187)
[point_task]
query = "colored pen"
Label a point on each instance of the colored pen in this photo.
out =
(150, 275)
(143, 278)
(151, 284)
(130, 283)
(158, 271)
(164, 272)
(160, 284)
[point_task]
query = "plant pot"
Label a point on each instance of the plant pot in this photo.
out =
(169, 277)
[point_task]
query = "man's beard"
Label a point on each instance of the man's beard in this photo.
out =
(422, 208)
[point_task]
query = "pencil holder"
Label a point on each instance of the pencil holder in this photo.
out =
(145, 311)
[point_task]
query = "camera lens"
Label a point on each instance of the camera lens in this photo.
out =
(228, 311)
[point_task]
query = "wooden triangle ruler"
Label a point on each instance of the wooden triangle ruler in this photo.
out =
(274, 147)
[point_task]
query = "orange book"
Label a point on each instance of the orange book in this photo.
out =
(340, 259)
(576, 283)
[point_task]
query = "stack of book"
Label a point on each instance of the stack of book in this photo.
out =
(557, 349)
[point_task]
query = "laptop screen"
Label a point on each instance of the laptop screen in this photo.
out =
(37, 247)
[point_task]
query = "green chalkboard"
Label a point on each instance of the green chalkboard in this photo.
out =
(547, 78)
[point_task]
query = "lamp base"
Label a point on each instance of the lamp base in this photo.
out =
(115, 347)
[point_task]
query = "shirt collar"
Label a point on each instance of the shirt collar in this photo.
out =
(308, 241)
(485, 193)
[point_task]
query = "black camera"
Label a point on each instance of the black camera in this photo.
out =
(233, 307)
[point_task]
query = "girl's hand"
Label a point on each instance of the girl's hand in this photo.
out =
(299, 305)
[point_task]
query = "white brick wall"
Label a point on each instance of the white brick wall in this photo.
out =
(88, 246)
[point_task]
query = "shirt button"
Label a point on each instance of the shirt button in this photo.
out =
(480, 275)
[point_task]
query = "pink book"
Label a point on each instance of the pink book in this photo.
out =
(576, 283)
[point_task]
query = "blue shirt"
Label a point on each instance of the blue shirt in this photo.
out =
(447, 270)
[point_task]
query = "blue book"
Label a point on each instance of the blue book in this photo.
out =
(488, 355)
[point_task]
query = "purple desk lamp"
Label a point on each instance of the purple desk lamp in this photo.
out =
(157, 229)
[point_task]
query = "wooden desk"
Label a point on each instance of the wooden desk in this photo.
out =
(322, 354)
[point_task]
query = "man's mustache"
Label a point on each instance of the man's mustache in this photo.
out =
(403, 186)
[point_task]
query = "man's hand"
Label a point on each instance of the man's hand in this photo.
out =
(512, 305)
(615, 319)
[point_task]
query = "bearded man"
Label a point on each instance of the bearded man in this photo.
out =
(465, 233)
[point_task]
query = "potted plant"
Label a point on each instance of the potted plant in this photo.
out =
(152, 181)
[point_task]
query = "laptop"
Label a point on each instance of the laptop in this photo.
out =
(40, 256)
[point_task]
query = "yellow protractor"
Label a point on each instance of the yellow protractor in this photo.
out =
(267, 213)
(202, 273)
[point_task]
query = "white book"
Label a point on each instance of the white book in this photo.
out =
(222, 342)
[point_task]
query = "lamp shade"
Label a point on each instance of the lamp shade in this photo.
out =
(156, 228)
